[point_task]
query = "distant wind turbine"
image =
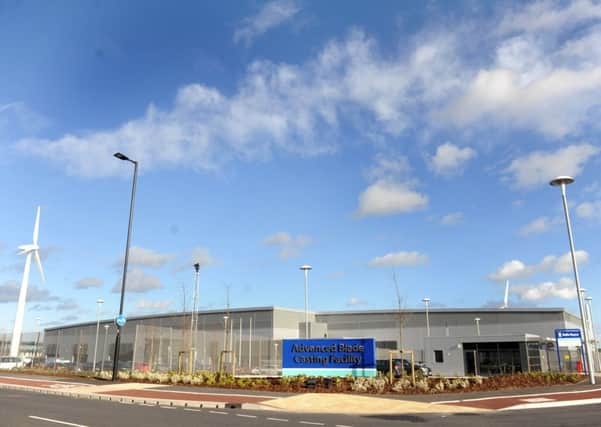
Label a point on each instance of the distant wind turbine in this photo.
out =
(506, 298)
(28, 251)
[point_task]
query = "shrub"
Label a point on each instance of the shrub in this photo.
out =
(175, 378)
(197, 380)
(124, 375)
(401, 385)
(138, 376)
(422, 385)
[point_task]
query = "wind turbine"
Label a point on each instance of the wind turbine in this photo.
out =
(506, 298)
(28, 251)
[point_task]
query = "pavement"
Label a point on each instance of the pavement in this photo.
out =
(318, 403)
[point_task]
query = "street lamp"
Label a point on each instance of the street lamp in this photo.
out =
(562, 181)
(99, 303)
(194, 323)
(426, 301)
(306, 269)
(121, 156)
(106, 330)
(589, 309)
(477, 319)
(225, 331)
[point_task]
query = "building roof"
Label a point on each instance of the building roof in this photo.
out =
(326, 313)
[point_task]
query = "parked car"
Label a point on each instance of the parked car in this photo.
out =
(399, 364)
(7, 362)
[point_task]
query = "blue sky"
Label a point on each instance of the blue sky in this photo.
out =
(406, 138)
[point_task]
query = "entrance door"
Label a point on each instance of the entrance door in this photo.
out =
(470, 358)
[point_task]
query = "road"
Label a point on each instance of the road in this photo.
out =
(24, 409)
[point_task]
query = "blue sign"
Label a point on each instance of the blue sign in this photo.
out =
(120, 320)
(567, 338)
(329, 357)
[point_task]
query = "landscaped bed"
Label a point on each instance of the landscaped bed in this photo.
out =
(375, 385)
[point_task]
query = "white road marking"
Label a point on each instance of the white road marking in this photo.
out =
(168, 407)
(192, 410)
(311, 423)
(218, 412)
(50, 420)
(443, 402)
(556, 404)
(147, 404)
(537, 400)
(278, 419)
(246, 416)
(342, 425)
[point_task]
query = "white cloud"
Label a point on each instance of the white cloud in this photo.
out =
(355, 301)
(427, 82)
(565, 288)
(138, 282)
(563, 264)
(198, 255)
(67, 305)
(537, 226)
(511, 270)
(538, 168)
(589, 210)
(516, 269)
(89, 282)
(202, 256)
(399, 258)
(284, 107)
(288, 245)
(17, 119)
(452, 218)
(388, 167)
(143, 257)
(272, 14)
(550, 15)
(450, 159)
(386, 198)
(9, 292)
(144, 304)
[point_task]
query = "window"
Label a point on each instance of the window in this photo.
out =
(389, 345)
(438, 356)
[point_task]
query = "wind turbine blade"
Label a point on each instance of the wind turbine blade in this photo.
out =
(36, 228)
(38, 261)
(506, 299)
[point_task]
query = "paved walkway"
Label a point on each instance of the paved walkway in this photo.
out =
(530, 400)
(332, 403)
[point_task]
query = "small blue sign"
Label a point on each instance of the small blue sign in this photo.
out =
(329, 357)
(120, 320)
(568, 333)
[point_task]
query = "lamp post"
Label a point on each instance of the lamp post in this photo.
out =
(225, 318)
(194, 325)
(106, 330)
(306, 269)
(562, 181)
(426, 301)
(123, 157)
(477, 319)
(589, 309)
(99, 303)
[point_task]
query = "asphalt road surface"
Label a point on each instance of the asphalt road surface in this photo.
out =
(24, 409)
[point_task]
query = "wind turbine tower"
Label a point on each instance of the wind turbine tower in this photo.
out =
(29, 251)
(506, 298)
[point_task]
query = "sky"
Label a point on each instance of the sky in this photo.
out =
(387, 144)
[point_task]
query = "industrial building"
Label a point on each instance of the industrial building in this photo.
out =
(450, 341)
